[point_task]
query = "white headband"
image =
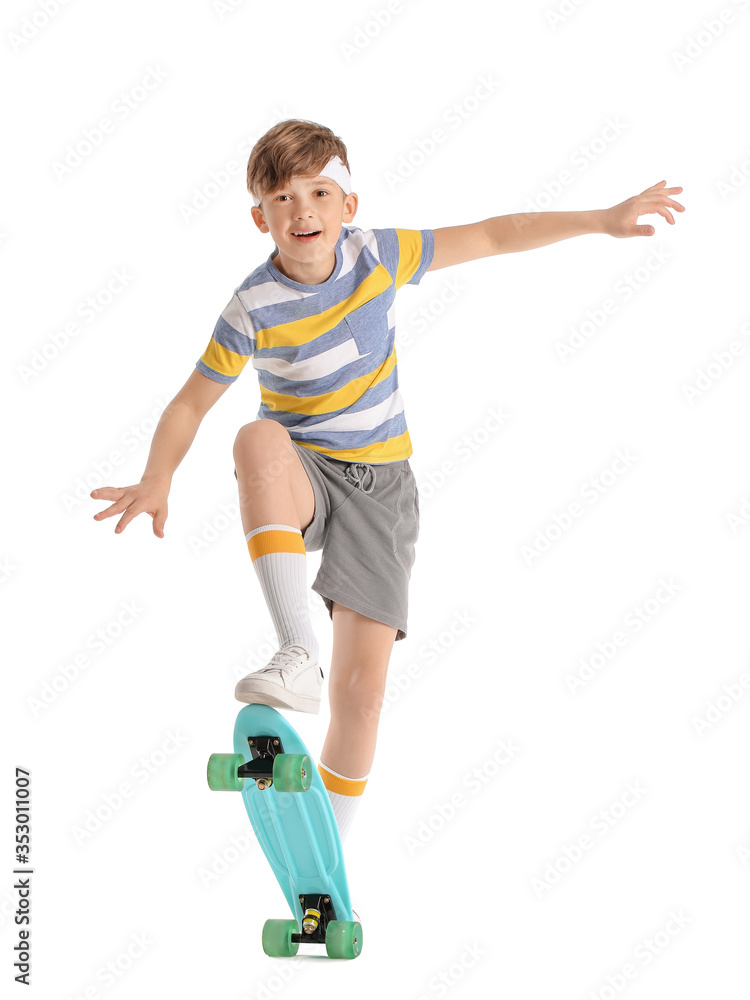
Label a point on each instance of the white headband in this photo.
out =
(336, 170)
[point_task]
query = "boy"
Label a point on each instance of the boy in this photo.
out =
(326, 463)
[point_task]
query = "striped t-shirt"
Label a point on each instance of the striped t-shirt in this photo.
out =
(325, 354)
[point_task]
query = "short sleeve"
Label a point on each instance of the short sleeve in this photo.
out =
(231, 346)
(406, 253)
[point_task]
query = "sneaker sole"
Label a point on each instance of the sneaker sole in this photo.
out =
(264, 693)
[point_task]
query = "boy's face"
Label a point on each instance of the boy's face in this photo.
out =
(306, 204)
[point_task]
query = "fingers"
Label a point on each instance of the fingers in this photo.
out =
(665, 201)
(657, 205)
(127, 517)
(116, 493)
(661, 209)
(672, 203)
(159, 518)
(660, 189)
(108, 492)
(121, 507)
(130, 504)
(654, 200)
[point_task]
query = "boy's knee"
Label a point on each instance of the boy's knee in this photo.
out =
(263, 456)
(262, 439)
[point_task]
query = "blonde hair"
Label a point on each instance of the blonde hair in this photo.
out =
(290, 147)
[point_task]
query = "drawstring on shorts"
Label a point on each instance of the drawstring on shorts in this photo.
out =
(357, 473)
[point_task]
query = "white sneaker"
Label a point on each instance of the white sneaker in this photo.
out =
(291, 679)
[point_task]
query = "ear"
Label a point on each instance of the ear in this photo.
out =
(351, 202)
(257, 214)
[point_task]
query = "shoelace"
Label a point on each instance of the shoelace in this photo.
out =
(284, 658)
(357, 473)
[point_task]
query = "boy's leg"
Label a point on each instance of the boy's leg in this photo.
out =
(359, 665)
(273, 484)
(277, 503)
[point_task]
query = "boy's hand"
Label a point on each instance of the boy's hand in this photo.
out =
(148, 495)
(622, 219)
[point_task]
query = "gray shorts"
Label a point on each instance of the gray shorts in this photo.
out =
(366, 521)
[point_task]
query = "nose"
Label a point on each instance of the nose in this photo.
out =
(302, 211)
(303, 206)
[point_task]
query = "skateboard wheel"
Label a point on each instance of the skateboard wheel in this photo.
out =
(292, 772)
(222, 772)
(277, 938)
(343, 939)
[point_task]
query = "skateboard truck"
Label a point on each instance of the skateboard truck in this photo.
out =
(260, 768)
(318, 912)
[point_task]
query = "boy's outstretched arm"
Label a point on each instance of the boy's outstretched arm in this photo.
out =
(528, 230)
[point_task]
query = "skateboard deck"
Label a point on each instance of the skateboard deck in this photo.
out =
(293, 819)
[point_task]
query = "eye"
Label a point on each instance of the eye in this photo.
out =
(322, 191)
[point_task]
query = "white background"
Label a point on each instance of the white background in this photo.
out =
(492, 896)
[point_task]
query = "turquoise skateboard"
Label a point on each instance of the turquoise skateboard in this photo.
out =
(292, 817)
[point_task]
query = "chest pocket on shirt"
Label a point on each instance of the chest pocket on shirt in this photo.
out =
(368, 326)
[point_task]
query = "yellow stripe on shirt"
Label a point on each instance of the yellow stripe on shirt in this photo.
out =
(409, 255)
(222, 360)
(329, 402)
(395, 449)
(302, 331)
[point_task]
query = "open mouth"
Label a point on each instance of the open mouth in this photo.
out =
(307, 237)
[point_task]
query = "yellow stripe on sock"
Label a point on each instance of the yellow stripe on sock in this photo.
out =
(342, 786)
(266, 542)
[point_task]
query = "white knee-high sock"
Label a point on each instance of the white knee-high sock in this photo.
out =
(345, 794)
(279, 559)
